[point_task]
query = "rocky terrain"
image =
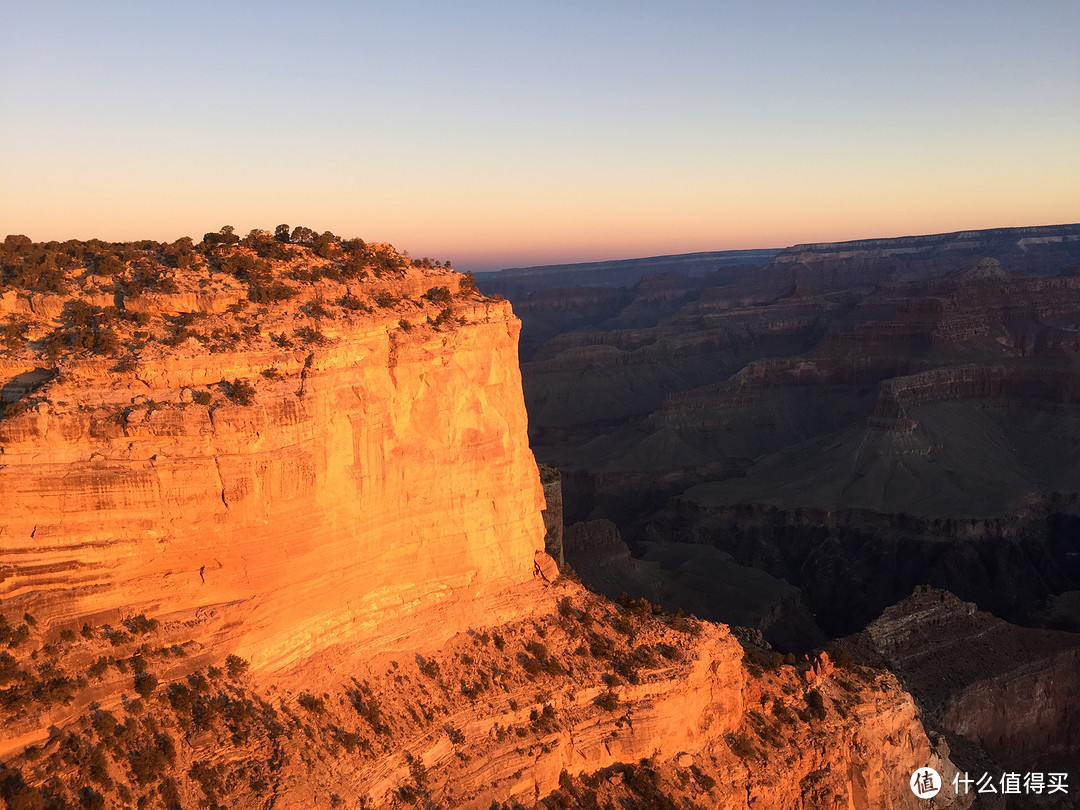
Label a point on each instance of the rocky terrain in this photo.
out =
(796, 450)
(812, 434)
(1000, 694)
(272, 536)
(151, 471)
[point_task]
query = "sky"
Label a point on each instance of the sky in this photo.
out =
(500, 134)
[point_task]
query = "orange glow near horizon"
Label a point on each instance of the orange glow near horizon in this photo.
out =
(487, 229)
(535, 136)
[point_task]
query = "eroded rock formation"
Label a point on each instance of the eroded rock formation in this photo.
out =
(374, 476)
(1005, 688)
(274, 530)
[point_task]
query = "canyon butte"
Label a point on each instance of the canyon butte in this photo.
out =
(272, 535)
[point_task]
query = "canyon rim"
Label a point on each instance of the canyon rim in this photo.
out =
(272, 537)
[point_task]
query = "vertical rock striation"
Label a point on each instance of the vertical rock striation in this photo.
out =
(380, 476)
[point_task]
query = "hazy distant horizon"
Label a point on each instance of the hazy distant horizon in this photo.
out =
(573, 259)
(505, 135)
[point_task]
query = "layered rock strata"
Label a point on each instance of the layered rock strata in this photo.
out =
(1005, 688)
(572, 699)
(301, 494)
(279, 544)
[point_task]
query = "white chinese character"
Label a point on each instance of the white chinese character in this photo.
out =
(966, 782)
(925, 783)
(986, 784)
(1034, 783)
(1057, 783)
(1010, 783)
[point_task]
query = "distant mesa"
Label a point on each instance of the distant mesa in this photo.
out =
(518, 282)
(983, 269)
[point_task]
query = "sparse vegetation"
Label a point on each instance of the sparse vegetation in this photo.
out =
(816, 704)
(608, 701)
(385, 299)
(140, 625)
(520, 668)
(240, 391)
(439, 295)
(264, 268)
(312, 704)
(235, 666)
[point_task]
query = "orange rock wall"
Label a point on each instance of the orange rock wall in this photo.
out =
(370, 480)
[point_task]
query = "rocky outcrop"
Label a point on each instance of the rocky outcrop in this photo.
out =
(571, 697)
(553, 513)
(280, 544)
(1005, 688)
(301, 495)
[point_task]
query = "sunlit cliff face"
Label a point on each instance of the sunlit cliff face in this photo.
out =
(273, 526)
(313, 444)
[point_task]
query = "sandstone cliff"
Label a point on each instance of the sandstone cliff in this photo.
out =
(575, 702)
(1003, 687)
(274, 530)
(373, 473)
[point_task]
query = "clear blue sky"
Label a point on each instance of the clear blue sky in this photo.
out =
(506, 133)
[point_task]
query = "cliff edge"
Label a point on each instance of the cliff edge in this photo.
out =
(274, 530)
(299, 462)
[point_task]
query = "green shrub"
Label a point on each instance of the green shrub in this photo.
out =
(439, 295)
(702, 778)
(608, 701)
(430, 668)
(140, 624)
(145, 683)
(309, 335)
(13, 333)
(115, 636)
(9, 668)
(385, 299)
(235, 666)
(815, 703)
(368, 708)
(455, 735)
(353, 304)
(740, 745)
(271, 293)
(18, 636)
(241, 392)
